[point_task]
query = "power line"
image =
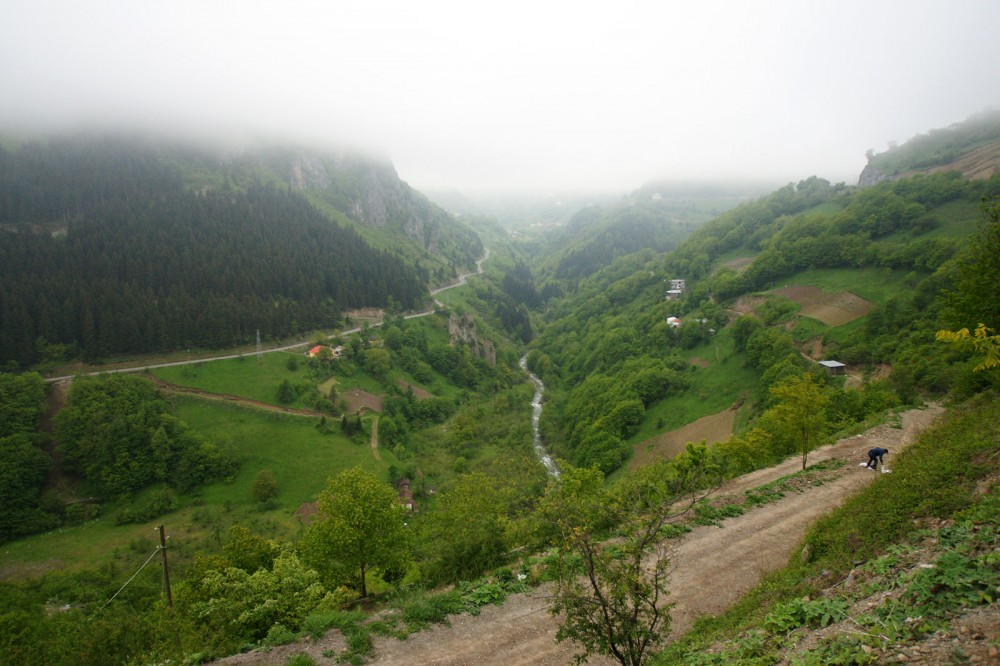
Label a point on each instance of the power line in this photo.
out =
(148, 560)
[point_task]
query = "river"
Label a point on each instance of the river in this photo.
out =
(536, 414)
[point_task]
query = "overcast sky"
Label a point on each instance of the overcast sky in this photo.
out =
(516, 95)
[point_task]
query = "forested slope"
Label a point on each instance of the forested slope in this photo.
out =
(113, 245)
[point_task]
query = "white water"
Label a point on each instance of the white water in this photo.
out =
(536, 414)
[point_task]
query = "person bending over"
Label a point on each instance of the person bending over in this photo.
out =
(875, 457)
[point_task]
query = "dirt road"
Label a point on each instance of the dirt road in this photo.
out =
(713, 566)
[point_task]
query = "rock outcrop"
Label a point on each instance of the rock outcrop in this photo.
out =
(870, 175)
(462, 330)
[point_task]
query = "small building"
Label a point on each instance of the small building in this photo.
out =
(678, 284)
(674, 294)
(835, 368)
(673, 322)
(319, 351)
(405, 493)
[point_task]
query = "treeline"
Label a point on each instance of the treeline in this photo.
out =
(24, 465)
(60, 180)
(184, 269)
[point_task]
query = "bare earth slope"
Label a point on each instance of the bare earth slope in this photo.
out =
(713, 566)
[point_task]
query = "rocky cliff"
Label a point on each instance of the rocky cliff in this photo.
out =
(462, 330)
(871, 175)
(370, 192)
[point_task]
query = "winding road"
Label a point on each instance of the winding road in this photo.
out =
(139, 368)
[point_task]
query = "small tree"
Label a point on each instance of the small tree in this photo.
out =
(612, 593)
(801, 410)
(264, 488)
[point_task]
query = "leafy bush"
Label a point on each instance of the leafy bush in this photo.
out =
(803, 612)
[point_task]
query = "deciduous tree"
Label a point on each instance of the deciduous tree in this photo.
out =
(360, 528)
(801, 410)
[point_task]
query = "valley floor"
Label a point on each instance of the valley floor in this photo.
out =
(712, 567)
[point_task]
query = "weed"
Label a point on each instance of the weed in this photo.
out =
(301, 659)
(815, 613)
(279, 635)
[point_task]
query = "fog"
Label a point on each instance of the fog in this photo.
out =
(488, 97)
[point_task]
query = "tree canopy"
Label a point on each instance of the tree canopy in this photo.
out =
(360, 529)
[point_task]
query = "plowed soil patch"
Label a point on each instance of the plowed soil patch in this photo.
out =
(356, 399)
(831, 309)
(713, 428)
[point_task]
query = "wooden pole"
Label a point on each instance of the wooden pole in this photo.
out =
(166, 570)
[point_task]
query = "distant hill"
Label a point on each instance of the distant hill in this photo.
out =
(656, 217)
(116, 244)
(971, 147)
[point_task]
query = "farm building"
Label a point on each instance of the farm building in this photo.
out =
(834, 367)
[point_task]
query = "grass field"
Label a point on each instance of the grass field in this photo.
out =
(245, 377)
(299, 456)
(715, 387)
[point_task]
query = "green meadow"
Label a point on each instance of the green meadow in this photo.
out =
(300, 457)
(246, 376)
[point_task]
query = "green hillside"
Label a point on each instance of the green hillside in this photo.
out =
(270, 473)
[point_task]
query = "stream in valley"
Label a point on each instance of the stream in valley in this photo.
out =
(536, 414)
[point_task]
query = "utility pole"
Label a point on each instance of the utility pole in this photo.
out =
(260, 355)
(166, 570)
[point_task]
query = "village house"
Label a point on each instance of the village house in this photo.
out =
(322, 351)
(677, 287)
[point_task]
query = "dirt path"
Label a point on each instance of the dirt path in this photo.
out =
(375, 453)
(713, 566)
(167, 387)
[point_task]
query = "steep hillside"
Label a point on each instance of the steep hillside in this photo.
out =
(115, 244)
(621, 372)
(971, 148)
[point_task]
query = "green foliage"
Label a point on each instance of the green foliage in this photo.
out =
(800, 411)
(116, 433)
(359, 530)
(162, 502)
(249, 552)
(972, 298)
(805, 612)
(264, 488)
(467, 533)
(250, 604)
(577, 499)
(22, 400)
